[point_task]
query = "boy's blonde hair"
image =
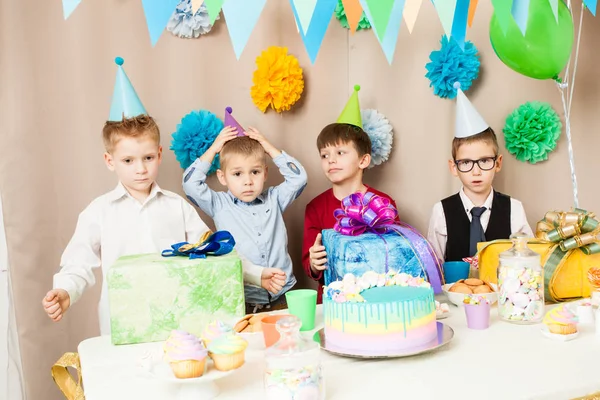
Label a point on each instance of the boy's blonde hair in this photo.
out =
(143, 125)
(488, 136)
(339, 133)
(244, 146)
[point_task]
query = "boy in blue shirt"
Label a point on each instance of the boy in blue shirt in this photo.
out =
(253, 214)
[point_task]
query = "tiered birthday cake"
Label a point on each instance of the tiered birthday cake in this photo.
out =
(379, 314)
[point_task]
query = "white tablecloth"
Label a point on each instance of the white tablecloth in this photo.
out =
(504, 362)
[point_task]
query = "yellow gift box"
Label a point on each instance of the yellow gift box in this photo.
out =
(569, 247)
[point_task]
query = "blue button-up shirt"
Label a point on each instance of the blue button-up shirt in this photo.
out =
(257, 227)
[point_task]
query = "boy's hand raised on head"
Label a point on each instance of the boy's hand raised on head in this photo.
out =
(224, 136)
(269, 148)
(273, 279)
(56, 303)
(318, 256)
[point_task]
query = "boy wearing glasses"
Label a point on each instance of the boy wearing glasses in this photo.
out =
(477, 213)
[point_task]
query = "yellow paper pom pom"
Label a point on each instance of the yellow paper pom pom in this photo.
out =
(278, 80)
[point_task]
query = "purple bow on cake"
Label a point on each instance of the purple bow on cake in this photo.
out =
(375, 214)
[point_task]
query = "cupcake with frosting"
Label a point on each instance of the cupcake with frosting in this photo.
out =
(560, 320)
(185, 354)
(214, 330)
(228, 351)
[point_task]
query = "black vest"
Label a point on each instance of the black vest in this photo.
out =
(458, 225)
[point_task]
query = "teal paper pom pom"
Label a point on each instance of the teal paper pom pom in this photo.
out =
(195, 134)
(531, 131)
(451, 64)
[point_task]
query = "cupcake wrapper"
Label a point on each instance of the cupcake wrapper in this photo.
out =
(188, 369)
(562, 329)
(227, 362)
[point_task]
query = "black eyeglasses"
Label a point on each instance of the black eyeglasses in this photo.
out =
(485, 164)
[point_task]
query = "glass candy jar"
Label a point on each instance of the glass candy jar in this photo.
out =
(293, 366)
(520, 283)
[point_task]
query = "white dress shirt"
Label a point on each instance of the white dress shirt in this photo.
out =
(115, 224)
(438, 232)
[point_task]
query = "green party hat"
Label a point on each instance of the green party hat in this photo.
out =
(351, 113)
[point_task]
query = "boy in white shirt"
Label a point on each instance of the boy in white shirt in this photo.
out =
(136, 217)
(477, 213)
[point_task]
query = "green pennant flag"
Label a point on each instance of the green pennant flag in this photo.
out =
(503, 11)
(214, 8)
(380, 11)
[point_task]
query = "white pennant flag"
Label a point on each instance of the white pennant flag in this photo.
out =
(196, 5)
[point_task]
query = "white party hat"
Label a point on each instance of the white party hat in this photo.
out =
(468, 120)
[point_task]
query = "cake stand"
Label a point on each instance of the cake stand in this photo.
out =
(203, 387)
(444, 336)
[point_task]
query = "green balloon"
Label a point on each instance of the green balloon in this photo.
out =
(544, 50)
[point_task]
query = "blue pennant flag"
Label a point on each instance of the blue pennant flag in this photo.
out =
(158, 13)
(315, 32)
(241, 17)
(69, 6)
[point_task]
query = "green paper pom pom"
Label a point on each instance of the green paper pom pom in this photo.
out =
(340, 14)
(531, 131)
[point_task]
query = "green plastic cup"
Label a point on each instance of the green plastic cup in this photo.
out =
(303, 304)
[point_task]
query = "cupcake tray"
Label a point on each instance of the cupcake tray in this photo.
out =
(444, 336)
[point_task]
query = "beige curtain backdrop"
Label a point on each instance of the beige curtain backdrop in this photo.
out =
(56, 82)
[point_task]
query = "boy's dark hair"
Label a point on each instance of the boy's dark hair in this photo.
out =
(338, 133)
(242, 145)
(487, 136)
(129, 127)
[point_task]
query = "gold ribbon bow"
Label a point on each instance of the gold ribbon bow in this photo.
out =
(577, 229)
(71, 388)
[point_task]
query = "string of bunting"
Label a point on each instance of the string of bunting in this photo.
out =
(313, 17)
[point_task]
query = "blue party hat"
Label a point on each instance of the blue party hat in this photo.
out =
(125, 102)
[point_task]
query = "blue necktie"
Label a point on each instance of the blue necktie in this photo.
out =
(477, 234)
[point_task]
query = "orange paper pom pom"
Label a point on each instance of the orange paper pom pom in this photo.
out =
(278, 80)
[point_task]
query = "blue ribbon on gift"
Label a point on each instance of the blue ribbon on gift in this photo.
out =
(211, 244)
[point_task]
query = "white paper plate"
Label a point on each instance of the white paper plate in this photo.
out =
(555, 336)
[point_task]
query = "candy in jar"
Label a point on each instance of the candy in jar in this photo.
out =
(520, 284)
(293, 370)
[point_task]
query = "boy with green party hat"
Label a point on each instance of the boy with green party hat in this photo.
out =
(136, 217)
(345, 151)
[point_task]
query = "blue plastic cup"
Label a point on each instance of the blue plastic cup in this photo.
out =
(456, 270)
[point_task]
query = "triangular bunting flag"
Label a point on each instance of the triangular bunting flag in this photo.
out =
(196, 5)
(591, 5)
(554, 5)
(213, 7)
(315, 32)
(390, 37)
(411, 11)
(158, 13)
(353, 11)
(378, 13)
(241, 17)
(445, 10)
(520, 13)
(305, 9)
(502, 10)
(472, 8)
(69, 6)
(459, 25)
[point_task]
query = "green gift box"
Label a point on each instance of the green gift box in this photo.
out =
(150, 295)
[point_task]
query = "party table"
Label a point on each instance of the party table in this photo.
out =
(503, 362)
